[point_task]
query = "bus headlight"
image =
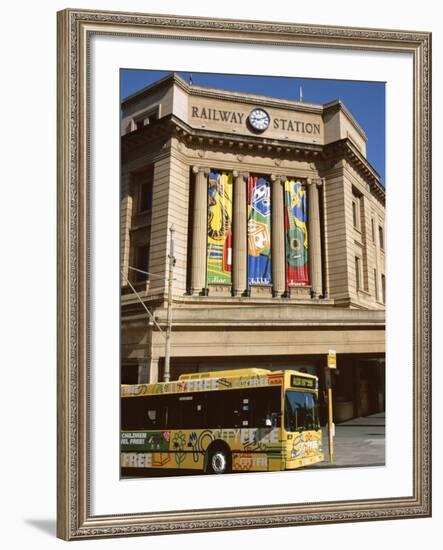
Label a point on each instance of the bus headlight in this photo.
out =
(293, 453)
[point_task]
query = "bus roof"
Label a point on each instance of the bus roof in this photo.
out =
(216, 380)
(234, 373)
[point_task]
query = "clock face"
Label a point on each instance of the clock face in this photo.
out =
(259, 119)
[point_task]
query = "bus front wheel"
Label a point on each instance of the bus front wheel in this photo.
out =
(219, 460)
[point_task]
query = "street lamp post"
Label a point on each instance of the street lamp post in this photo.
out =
(167, 371)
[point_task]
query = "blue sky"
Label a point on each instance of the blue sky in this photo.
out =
(365, 100)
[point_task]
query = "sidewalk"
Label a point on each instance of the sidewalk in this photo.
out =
(357, 442)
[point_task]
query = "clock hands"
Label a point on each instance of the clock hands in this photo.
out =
(259, 119)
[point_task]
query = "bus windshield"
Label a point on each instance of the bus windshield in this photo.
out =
(301, 411)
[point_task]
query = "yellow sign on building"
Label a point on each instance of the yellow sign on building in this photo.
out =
(332, 359)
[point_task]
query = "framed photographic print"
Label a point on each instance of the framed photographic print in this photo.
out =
(244, 330)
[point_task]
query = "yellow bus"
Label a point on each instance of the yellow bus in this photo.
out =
(219, 422)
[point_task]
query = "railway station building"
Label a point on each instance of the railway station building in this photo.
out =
(278, 222)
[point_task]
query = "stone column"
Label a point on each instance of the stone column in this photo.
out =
(314, 238)
(148, 371)
(199, 230)
(239, 259)
(278, 236)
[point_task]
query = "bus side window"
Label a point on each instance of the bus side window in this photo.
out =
(152, 416)
(266, 408)
(155, 413)
(215, 409)
(141, 413)
(187, 411)
(236, 406)
(225, 409)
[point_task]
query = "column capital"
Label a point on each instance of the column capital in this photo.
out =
(318, 182)
(241, 174)
(278, 178)
(201, 169)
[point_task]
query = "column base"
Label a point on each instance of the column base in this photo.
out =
(315, 294)
(279, 293)
(241, 293)
(197, 291)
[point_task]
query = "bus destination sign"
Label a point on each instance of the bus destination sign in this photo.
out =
(301, 382)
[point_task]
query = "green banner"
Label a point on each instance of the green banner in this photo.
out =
(144, 441)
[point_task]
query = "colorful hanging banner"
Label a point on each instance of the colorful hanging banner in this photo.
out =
(259, 231)
(219, 251)
(296, 217)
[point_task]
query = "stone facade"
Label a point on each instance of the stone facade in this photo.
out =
(173, 134)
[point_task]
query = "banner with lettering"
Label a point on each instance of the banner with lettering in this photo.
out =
(219, 250)
(259, 231)
(296, 218)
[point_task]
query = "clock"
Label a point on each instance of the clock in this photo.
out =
(259, 120)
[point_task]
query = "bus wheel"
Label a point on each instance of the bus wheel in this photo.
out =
(219, 460)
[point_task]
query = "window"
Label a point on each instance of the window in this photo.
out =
(145, 182)
(300, 412)
(356, 206)
(141, 263)
(376, 284)
(257, 408)
(264, 404)
(373, 230)
(383, 288)
(144, 413)
(354, 214)
(187, 411)
(253, 408)
(381, 237)
(145, 198)
(358, 272)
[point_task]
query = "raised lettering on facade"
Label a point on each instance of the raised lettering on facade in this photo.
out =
(236, 117)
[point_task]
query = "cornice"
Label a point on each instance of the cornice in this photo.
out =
(268, 315)
(172, 126)
(344, 148)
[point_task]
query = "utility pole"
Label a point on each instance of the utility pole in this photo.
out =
(167, 372)
(331, 364)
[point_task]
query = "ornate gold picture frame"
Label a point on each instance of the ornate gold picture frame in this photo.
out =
(76, 28)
